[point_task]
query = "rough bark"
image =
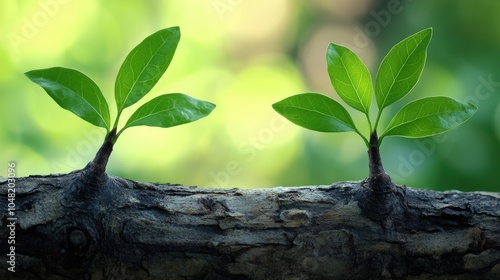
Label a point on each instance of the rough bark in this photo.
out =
(131, 230)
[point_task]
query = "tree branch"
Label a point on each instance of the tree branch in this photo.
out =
(134, 230)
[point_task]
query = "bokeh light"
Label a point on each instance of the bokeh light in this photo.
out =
(244, 56)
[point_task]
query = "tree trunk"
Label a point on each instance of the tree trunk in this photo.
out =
(67, 227)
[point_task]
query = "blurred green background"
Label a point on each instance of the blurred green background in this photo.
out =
(245, 55)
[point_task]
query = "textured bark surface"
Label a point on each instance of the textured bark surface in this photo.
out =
(131, 230)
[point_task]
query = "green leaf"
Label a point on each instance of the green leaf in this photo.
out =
(144, 66)
(401, 68)
(170, 110)
(349, 77)
(429, 116)
(75, 92)
(316, 112)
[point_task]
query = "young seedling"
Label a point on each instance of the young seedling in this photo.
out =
(138, 74)
(397, 75)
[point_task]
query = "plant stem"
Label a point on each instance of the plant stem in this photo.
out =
(117, 119)
(94, 176)
(379, 201)
(97, 167)
(378, 180)
(375, 163)
(364, 138)
(380, 139)
(376, 121)
(118, 134)
(369, 124)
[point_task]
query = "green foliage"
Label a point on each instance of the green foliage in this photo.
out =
(75, 92)
(350, 77)
(429, 116)
(144, 66)
(397, 75)
(401, 68)
(140, 71)
(316, 112)
(170, 110)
